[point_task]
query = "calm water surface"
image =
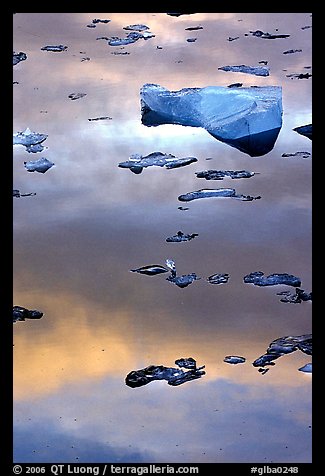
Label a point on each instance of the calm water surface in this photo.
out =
(90, 222)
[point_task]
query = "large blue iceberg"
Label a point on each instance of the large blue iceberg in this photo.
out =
(248, 119)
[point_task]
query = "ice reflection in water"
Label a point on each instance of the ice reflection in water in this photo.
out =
(90, 222)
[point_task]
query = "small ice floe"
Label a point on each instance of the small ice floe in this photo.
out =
(40, 165)
(98, 20)
(234, 359)
(17, 194)
(268, 36)
(221, 174)
(181, 281)
(299, 296)
(55, 48)
(131, 37)
(289, 52)
(259, 279)
(220, 278)
(192, 28)
(150, 270)
(21, 314)
(305, 130)
(299, 75)
(256, 70)
(184, 280)
(232, 38)
(137, 162)
(74, 96)
(33, 148)
(283, 346)
(303, 155)
(28, 138)
(191, 40)
(101, 118)
(215, 193)
(308, 368)
(174, 376)
(172, 14)
(136, 27)
(18, 57)
(180, 236)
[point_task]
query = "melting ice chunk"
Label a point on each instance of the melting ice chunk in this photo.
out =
(40, 165)
(28, 138)
(138, 162)
(308, 368)
(248, 119)
(20, 313)
(221, 174)
(234, 359)
(219, 192)
(257, 70)
(258, 278)
(220, 278)
(150, 270)
(180, 236)
(174, 376)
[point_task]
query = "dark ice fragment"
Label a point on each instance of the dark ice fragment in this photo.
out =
(299, 296)
(74, 96)
(235, 85)
(184, 280)
(305, 130)
(17, 194)
(98, 20)
(242, 68)
(234, 359)
(220, 278)
(174, 376)
(283, 346)
(18, 57)
(268, 36)
(136, 27)
(221, 174)
(180, 236)
(150, 270)
(220, 192)
(303, 155)
(288, 52)
(101, 118)
(55, 48)
(259, 279)
(20, 313)
(137, 162)
(299, 75)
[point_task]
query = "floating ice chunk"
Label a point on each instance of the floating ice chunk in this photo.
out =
(268, 36)
(299, 296)
(303, 155)
(28, 138)
(248, 119)
(174, 376)
(308, 368)
(131, 37)
(74, 96)
(184, 280)
(55, 48)
(257, 70)
(180, 236)
(98, 20)
(40, 165)
(18, 57)
(221, 174)
(288, 52)
(150, 270)
(282, 346)
(137, 162)
(20, 313)
(136, 27)
(219, 192)
(259, 279)
(220, 278)
(170, 263)
(17, 194)
(234, 359)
